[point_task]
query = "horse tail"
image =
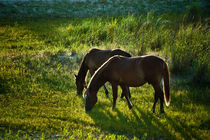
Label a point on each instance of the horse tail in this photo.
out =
(166, 77)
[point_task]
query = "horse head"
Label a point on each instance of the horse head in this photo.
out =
(80, 84)
(90, 99)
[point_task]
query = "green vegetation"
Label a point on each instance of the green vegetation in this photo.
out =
(38, 95)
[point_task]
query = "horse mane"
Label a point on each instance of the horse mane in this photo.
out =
(120, 52)
(83, 70)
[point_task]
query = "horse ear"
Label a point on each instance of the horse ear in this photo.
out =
(75, 75)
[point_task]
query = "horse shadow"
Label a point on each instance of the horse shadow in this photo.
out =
(115, 122)
(144, 122)
(194, 95)
(189, 102)
(3, 86)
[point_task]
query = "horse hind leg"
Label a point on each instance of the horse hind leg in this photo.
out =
(155, 101)
(158, 94)
(129, 93)
(161, 102)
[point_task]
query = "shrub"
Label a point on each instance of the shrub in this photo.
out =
(192, 14)
(191, 52)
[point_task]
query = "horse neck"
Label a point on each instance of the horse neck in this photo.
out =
(96, 82)
(82, 71)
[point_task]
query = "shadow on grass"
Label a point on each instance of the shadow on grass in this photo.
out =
(191, 100)
(141, 123)
(4, 88)
(182, 128)
(193, 95)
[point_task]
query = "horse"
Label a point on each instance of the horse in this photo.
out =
(130, 72)
(92, 61)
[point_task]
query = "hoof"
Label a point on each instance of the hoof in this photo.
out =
(114, 108)
(122, 95)
(153, 110)
(130, 107)
(162, 111)
(107, 93)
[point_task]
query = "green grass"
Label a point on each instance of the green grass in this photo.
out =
(38, 59)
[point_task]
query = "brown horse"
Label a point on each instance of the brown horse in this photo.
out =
(132, 72)
(92, 61)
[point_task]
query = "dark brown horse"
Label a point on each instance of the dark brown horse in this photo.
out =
(132, 72)
(92, 61)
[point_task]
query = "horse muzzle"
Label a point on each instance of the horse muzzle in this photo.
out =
(79, 92)
(87, 109)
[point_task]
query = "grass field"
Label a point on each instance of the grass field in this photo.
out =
(39, 57)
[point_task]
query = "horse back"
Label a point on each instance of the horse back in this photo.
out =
(153, 68)
(96, 57)
(135, 70)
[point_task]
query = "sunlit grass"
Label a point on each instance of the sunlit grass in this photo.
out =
(53, 112)
(38, 98)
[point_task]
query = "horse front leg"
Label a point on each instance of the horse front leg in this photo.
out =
(123, 94)
(126, 92)
(129, 93)
(114, 91)
(106, 91)
(92, 71)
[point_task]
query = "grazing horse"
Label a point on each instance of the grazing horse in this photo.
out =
(130, 72)
(92, 61)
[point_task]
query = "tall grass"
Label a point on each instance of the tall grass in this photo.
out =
(191, 50)
(184, 45)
